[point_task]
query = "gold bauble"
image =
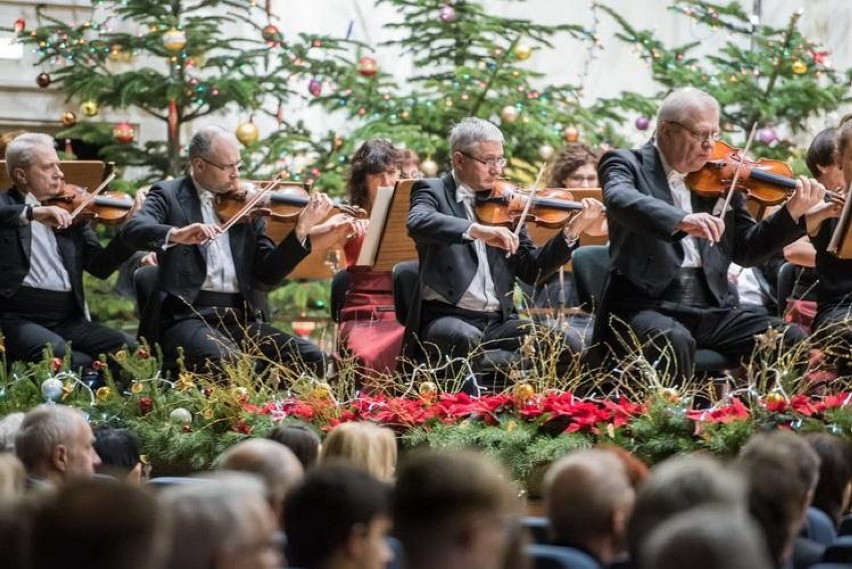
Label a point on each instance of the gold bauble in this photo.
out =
(90, 108)
(510, 113)
(524, 391)
(545, 151)
(429, 167)
(174, 39)
(523, 52)
(427, 389)
(799, 67)
(571, 134)
(68, 118)
(248, 133)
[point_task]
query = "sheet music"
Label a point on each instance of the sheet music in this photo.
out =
(838, 245)
(378, 217)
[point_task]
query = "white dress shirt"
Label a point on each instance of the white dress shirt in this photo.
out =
(46, 269)
(682, 198)
(221, 272)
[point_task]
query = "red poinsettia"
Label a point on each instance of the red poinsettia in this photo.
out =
(735, 411)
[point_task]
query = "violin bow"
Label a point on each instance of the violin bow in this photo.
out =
(737, 171)
(527, 206)
(249, 205)
(86, 201)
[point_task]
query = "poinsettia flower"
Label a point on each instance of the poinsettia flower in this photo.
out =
(735, 411)
(802, 404)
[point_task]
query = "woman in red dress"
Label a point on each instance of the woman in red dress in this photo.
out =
(368, 331)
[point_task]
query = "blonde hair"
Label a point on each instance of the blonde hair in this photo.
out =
(365, 445)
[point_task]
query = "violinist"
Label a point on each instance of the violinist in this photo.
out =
(468, 268)
(670, 252)
(42, 303)
(209, 287)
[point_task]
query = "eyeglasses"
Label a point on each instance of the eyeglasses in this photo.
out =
(711, 136)
(591, 178)
(223, 167)
(493, 163)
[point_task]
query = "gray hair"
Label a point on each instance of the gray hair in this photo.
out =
(581, 492)
(788, 447)
(42, 429)
(471, 131)
(681, 103)
(202, 140)
(210, 517)
(19, 152)
(275, 464)
(9, 426)
(709, 538)
(681, 484)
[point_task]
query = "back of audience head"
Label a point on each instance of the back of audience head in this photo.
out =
(339, 516)
(12, 476)
(98, 524)
(221, 522)
(588, 499)
(678, 485)
(450, 510)
(637, 471)
(9, 426)
(709, 537)
(277, 467)
(833, 489)
(120, 454)
(365, 445)
(55, 443)
(782, 472)
(301, 439)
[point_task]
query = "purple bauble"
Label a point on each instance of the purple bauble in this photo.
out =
(315, 87)
(767, 135)
(447, 14)
(642, 123)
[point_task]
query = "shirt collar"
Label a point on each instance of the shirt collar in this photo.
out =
(203, 193)
(672, 175)
(462, 191)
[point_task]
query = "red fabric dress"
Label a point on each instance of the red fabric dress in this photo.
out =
(367, 327)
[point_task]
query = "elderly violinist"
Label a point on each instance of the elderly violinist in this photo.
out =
(467, 268)
(44, 254)
(670, 249)
(209, 283)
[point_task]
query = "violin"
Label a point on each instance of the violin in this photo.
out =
(768, 182)
(110, 208)
(504, 205)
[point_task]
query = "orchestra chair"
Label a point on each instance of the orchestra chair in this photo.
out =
(538, 526)
(839, 551)
(557, 557)
(340, 283)
(819, 527)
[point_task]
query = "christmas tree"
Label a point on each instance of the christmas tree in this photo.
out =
(770, 76)
(179, 67)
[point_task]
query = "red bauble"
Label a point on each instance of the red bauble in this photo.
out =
(368, 66)
(123, 133)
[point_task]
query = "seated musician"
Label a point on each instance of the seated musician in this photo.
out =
(670, 252)
(834, 284)
(467, 268)
(368, 328)
(210, 284)
(44, 255)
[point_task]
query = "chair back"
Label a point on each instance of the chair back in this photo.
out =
(591, 266)
(340, 284)
(819, 527)
(538, 527)
(405, 282)
(839, 551)
(557, 557)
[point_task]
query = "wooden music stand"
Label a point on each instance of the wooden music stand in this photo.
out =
(84, 173)
(395, 245)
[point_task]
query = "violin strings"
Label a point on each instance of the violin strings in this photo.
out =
(88, 199)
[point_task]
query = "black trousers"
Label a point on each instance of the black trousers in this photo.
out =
(206, 335)
(833, 331)
(34, 319)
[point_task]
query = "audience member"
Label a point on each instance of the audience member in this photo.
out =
(338, 518)
(55, 443)
(637, 471)
(834, 486)
(119, 451)
(9, 426)
(588, 499)
(450, 510)
(301, 439)
(706, 538)
(365, 445)
(98, 525)
(16, 520)
(12, 477)
(277, 467)
(221, 523)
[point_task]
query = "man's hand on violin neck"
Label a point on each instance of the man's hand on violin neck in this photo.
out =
(702, 225)
(318, 208)
(592, 212)
(808, 193)
(52, 215)
(495, 236)
(194, 234)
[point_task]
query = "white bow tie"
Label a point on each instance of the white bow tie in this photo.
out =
(463, 194)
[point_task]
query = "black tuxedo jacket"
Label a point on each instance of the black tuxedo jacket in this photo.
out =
(183, 268)
(448, 263)
(79, 249)
(646, 248)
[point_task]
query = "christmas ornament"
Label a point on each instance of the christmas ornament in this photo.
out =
(248, 133)
(429, 167)
(427, 389)
(510, 113)
(20, 25)
(43, 80)
(136, 388)
(368, 66)
(669, 394)
(571, 134)
(68, 118)
(820, 56)
(799, 67)
(118, 55)
(174, 39)
(89, 108)
(447, 14)
(272, 35)
(642, 123)
(103, 393)
(51, 389)
(180, 416)
(767, 135)
(315, 87)
(322, 390)
(523, 52)
(524, 391)
(123, 132)
(775, 398)
(240, 393)
(545, 151)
